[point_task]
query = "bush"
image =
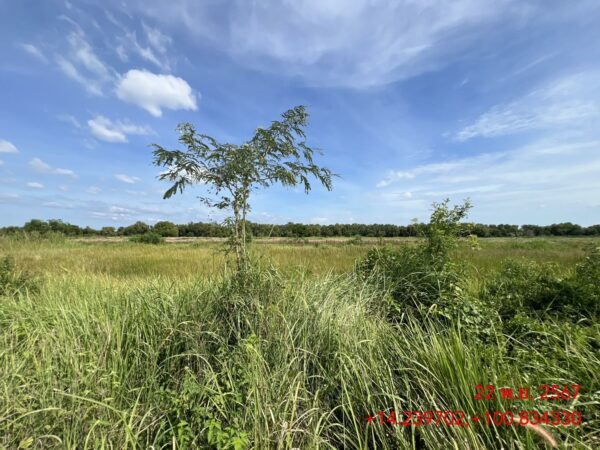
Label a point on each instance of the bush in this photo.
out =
(538, 289)
(424, 281)
(147, 238)
(13, 282)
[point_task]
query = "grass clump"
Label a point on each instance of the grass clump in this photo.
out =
(14, 282)
(147, 238)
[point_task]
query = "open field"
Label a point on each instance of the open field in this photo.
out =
(191, 257)
(125, 345)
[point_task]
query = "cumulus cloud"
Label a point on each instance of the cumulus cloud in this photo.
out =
(154, 92)
(565, 102)
(40, 166)
(7, 147)
(35, 185)
(109, 131)
(127, 178)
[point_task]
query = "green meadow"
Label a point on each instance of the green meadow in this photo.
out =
(118, 345)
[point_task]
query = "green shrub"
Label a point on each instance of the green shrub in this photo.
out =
(147, 238)
(539, 289)
(586, 283)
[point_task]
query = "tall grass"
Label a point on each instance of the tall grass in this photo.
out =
(97, 361)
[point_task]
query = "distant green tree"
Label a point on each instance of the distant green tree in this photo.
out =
(137, 228)
(229, 173)
(36, 225)
(108, 231)
(166, 229)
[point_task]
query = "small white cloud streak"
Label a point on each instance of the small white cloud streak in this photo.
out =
(40, 166)
(33, 51)
(35, 185)
(127, 178)
(7, 147)
(109, 131)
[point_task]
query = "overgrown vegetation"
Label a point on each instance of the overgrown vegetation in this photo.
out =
(147, 238)
(14, 282)
(110, 354)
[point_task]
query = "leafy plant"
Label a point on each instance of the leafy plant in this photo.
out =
(229, 172)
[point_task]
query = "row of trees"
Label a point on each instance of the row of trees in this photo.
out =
(204, 229)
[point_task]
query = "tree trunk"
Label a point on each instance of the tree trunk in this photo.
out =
(237, 244)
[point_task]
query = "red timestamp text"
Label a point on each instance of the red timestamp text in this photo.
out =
(546, 392)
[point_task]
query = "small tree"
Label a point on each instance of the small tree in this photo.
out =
(444, 228)
(277, 154)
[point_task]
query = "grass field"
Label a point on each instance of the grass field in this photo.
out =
(185, 257)
(125, 345)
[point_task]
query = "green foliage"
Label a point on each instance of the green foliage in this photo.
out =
(108, 231)
(229, 173)
(423, 280)
(166, 229)
(137, 228)
(147, 238)
(586, 282)
(538, 289)
(14, 282)
(443, 230)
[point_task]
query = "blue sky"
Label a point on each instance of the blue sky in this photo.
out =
(411, 101)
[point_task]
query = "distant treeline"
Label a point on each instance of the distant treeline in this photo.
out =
(298, 230)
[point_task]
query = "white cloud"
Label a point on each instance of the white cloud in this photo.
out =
(7, 147)
(34, 51)
(59, 205)
(93, 87)
(83, 65)
(35, 185)
(555, 170)
(94, 190)
(374, 42)
(109, 131)
(429, 169)
(127, 178)
(320, 220)
(570, 101)
(129, 44)
(153, 92)
(68, 118)
(40, 166)
(158, 40)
